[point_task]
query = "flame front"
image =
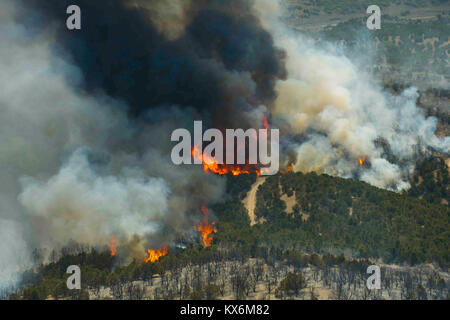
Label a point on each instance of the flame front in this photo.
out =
(154, 255)
(206, 228)
(112, 246)
(210, 165)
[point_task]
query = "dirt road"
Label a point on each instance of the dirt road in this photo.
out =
(250, 199)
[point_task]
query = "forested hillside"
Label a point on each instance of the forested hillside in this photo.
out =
(320, 241)
(334, 214)
(431, 181)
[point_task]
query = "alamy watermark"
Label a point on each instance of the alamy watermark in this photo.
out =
(74, 20)
(374, 21)
(74, 281)
(374, 281)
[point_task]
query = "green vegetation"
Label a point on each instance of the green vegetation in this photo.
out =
(338, 214)
(416, 49)
(412, 43)
(431, 181)
(350, 6)
(291, 285)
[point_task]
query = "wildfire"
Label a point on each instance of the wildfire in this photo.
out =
(284, 171)
(112, 245)
(361, 160)
(154, 255)
(210, 165)
(206, 228)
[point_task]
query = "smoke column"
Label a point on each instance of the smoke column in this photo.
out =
(87, 116)
(335, 113)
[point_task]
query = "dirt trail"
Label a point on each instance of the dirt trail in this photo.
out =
(250, 200)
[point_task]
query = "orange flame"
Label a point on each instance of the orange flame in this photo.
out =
(290, 168)
(112, 245)
(210, 165)
(154, 255)
(206, 228)
(265, 122)
(361, 160)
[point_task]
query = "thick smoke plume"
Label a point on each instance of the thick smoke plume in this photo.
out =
(91, 206)
(86, 116)
(222, 62)
(336, 114)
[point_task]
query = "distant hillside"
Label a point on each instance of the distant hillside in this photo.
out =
(412, 46)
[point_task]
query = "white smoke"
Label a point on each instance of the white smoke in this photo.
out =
(74, 167)
(79, 203)
(14, 252)
(339, 112)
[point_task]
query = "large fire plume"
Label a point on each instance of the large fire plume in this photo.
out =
(206, 228)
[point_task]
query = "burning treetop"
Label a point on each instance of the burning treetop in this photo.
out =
(206, 228)
(154, 255)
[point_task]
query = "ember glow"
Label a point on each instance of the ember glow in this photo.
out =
(206, 228)
(154, 255)
(112, 246)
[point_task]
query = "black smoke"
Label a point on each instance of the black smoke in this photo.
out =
(87, 117)
(224, 62)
